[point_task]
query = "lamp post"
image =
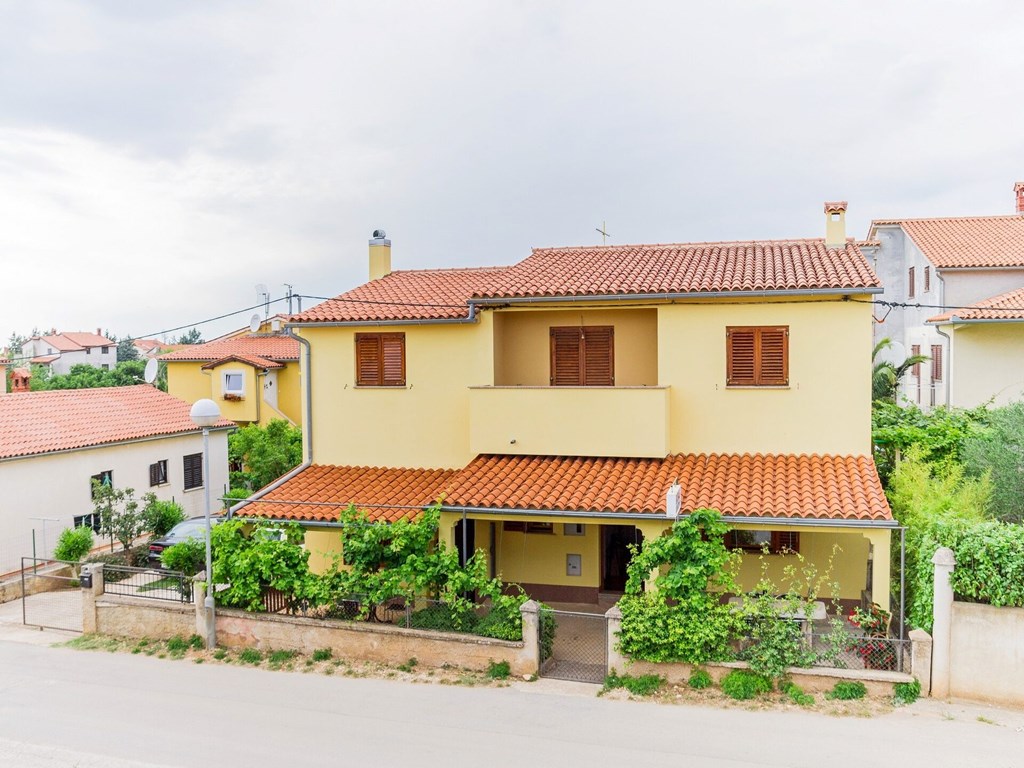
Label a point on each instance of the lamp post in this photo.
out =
(205, 414)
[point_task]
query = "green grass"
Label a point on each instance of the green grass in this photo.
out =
(409, 666)
(699, 679)
(906, 693)
(797, 696)
(322, 654)
(847, 691)
(742, 684)
(644, 685)
(167, 582)
(94, 643)
(250, 656)
(220, 654)
(278, 658)
(499, 670)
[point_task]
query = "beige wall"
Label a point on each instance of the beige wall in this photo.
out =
(987, 362)
(522, 346)
(986, 659)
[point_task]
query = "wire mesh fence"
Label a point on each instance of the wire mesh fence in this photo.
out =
(839, 647)
(576, 646)
(147, 583)
(51, 596)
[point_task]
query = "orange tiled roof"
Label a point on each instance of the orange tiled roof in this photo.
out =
(44, 359)
(71, 342)
(769, 265)
(319, 493)
(781, 486)
(966, 241)
(254, 360)
(421, 294)
(60, 420)
(279, 347)
(1006, 306)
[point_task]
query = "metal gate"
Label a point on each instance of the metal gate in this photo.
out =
(579, 650)
(50, 595)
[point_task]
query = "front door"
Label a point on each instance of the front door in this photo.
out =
(615, 555)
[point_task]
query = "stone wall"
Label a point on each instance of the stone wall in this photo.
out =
(986, 655)
(11, 589)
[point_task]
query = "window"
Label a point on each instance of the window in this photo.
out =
(915, 351)
(88, 350)
(380, 359)
(757, 356)
(583, 356)
(105, 477)
(528, 527)
(106, 350)
(927, 279)
(193, 465)
(92, 520)
(936, 362)
(776, 542)
(158, 473)
(234, 383)
(910, 283)
(105, 367)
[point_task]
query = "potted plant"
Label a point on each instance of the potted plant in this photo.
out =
(874, 647)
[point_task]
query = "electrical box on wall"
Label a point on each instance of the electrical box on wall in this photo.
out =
(573, 529)
(574, 565)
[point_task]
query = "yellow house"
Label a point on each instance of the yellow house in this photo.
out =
(253, 377)
(575, 402)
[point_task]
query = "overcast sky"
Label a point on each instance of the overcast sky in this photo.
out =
(159, 159)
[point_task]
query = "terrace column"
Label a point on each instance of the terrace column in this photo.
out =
(942, 613)
(880, 566)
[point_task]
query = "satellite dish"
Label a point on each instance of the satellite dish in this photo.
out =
(151, 368)
(254, 323)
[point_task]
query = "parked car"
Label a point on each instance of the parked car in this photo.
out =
(193, 528)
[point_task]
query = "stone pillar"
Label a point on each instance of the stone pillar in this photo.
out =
(921, 659)
(89, 595)
(199, 599)
(530, 611)
(613, 621)
(942, 613)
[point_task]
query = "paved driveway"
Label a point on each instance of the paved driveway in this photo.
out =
(54, 609)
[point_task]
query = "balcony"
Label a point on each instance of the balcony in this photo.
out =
(570, 421)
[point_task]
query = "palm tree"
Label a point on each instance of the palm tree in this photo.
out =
(886, 376)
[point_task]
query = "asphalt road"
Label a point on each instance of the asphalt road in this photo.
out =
(60, 707)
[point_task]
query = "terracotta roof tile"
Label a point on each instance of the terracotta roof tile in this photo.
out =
(967, 241)
(769, 265)
(423, 294)
(1006, 306)
(71, 342)
(59, 420)
(319, 493)
(279, 347)
(805, 487)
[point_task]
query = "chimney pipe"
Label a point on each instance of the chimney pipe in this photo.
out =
(835, 224)
(380, 255)
(1018, 188)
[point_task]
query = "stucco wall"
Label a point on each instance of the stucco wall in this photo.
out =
(987, 362)
(965, 287)
(57, 486)
(187, 381)
(986, 659)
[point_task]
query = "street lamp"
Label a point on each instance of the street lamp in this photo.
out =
(205, 414)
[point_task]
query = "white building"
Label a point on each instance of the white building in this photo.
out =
(60, 351)
(53, 444)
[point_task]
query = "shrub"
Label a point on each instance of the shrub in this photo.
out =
(797, 696)
(281, 657)
(644, 685)
(177, 644)
(196, 642)
(906, 693)
(699, 679)
(161, 516)
(188, 556)
(498, 670)
(250, 656)
(73, 544)
(742, 684)
(409, 666)
(847, 691)
(322, 654)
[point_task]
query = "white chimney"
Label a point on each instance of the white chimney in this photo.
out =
(673, 501)
(835, 224)
(380, 255)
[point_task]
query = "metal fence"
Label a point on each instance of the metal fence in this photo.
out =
(574, 645)
(844, 649)
(147, 583)
(51, 597)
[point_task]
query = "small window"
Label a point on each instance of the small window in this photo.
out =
(92, 520)
(583, 356)
(193, 466)
(234, 383)
(528, 527)
(775, 542)
(927, 279)
(103, 478)
(106, 350)
(910, 283)
(88, 350)
(757, 356)
(936, 362)
(105, 367)
(158, 473)
(380, 359)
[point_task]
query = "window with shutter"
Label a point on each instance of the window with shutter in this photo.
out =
(775, 542)
(910, 283)
(757, 356)
(927, 279)
(380, 359)
(583, 356)
(915, 350)
(193, 470)
(158, 472)
(936, 362)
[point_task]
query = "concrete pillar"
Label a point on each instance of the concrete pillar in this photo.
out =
(89, 595)
(613, 621)
(942, 621)
(881, 588)
(530, 611)
(652, 530)
(446, 529)
(199, 599)
(921, 659)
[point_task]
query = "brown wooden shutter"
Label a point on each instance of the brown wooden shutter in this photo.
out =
(915, 350)
(368, 360)
(598, 356)
(566, 360)
(910, 283)
(927, 279)
(936, 362)
(773, 368)
(785, 541)
(740, 356)
(393, 359)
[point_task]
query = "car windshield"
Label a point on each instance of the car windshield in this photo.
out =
(188, 530)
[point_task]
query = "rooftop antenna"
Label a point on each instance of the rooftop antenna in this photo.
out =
(604, 234)
(261, 291)
(289, 296)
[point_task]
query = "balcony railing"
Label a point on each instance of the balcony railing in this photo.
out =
(570, 421)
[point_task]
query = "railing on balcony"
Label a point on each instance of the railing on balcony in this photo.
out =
(570, 421)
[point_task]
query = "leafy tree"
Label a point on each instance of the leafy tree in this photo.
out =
(160, 516)
(259, 455)
(118, 511)
(247, 563)
(126, 350)
(188, 556)
(998, 452)
(192, 336)
(886, 376)
(84, 376)
(73, 544)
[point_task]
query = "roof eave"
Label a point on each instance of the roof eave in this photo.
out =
(763, 294)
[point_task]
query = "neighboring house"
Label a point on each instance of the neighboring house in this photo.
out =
(553, 405)
(4, 362)
(53, 444)
(148, 348)
(253, 377)
(60, 351)
(950, 263)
